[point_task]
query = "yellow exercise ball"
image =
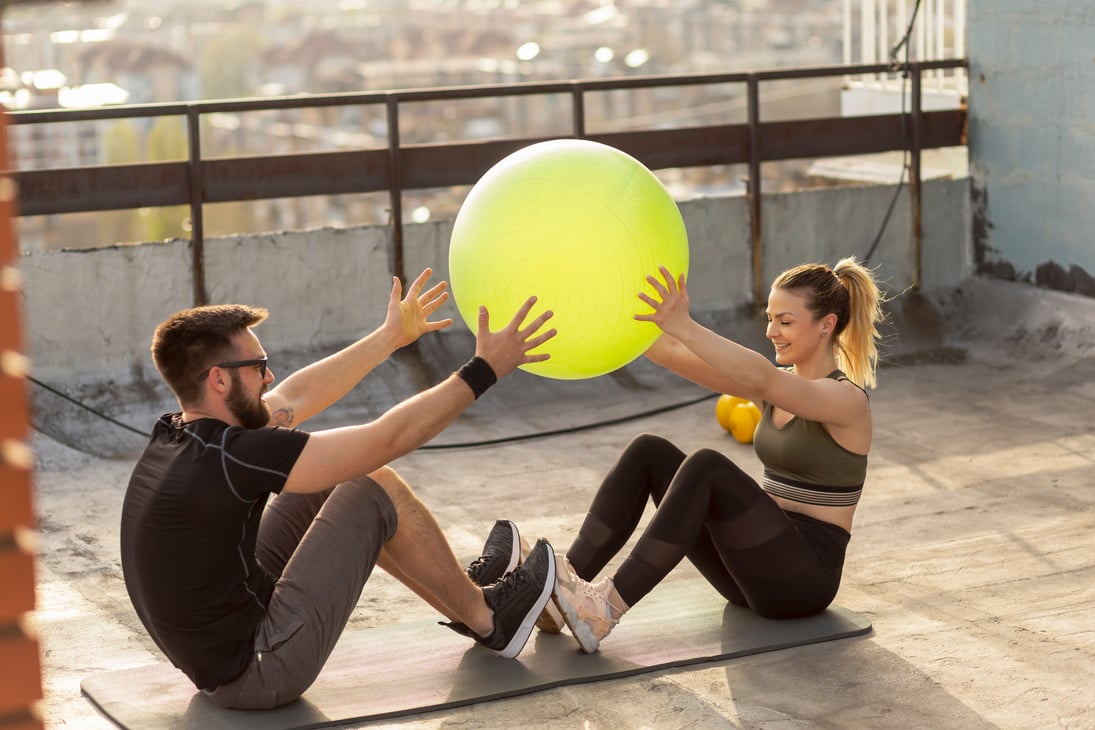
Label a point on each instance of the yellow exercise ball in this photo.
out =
(579, 225)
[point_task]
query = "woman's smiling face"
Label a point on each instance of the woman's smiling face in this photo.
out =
(792, 329)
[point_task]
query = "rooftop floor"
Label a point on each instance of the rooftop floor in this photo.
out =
(973, 552)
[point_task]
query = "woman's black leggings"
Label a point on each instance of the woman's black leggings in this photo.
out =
(779, 564)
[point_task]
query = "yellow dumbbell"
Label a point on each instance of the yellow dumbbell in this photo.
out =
(739, 416)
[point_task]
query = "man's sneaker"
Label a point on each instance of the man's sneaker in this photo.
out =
(586, 607)
(504, 550)
(517, 600)
(551, 618)
(501, 554)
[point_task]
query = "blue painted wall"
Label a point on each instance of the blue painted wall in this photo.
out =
(1032, 140)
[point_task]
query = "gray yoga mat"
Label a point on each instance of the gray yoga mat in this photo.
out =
(417, 667)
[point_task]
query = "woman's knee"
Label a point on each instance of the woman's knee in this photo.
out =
(651, 453)
(704, 461)
(648, 443)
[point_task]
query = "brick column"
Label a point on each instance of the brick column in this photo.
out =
(20, 668)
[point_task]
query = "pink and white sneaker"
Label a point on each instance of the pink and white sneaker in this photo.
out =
(587, 607)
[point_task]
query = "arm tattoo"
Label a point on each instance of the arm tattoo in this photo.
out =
(282, 417)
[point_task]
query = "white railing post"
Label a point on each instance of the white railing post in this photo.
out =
(959, 43)
(874, 27)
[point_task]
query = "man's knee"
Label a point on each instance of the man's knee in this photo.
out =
(385, 475)
(397, 489)
(382, 490)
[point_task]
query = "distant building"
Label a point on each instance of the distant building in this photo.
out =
(70, 144)
(149, 74)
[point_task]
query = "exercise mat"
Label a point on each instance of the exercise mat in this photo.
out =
(410, 668)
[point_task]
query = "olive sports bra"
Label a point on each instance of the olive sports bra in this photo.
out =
(803, 463)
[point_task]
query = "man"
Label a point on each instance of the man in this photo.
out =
(248, 597)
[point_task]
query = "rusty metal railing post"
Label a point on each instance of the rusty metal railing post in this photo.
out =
(395, 187)
(578, 109)
(752, 86)
(915, 183)
(197, 197)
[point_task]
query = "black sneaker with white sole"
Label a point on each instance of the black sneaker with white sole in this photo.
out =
(501, 554)
(503, 551)
(517, 600)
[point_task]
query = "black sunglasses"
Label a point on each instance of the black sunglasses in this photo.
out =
(260, 363)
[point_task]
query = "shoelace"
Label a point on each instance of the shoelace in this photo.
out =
(490, 553)
(589, 591)
(476, 566)
(511, 582)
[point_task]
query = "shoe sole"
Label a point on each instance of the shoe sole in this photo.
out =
(520, 638)
(579, 629)
(515, 548)
(551, 620)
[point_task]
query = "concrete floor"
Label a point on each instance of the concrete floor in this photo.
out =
(973, 551)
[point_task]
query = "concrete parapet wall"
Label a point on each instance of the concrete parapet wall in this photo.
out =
(90, 313)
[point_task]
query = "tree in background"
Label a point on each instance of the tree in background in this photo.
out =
(121, 145)
(227, 70)
(223, 219)
(227, 62)
(166, 141)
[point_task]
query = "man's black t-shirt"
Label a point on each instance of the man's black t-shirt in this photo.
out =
(189, 527)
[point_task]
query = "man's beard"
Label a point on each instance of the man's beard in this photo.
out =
(251, 413)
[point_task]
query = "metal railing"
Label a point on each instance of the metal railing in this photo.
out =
(199, 180)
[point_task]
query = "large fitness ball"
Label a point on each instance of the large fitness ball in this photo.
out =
(579, 225)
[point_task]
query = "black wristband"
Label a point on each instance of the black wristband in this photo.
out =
(478, 374)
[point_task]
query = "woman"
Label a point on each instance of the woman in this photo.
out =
(776, 547)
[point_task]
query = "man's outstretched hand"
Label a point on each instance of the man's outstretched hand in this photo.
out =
(409, 317)
(509, 347)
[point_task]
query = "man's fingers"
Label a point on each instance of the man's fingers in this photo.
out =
(484, 322)
(434, 291)
(536, 324)
(522, 312)
(434, 304)
(438, 325)
(420, 281)
(534, 342)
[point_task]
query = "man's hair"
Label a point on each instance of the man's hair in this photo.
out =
(188, 342)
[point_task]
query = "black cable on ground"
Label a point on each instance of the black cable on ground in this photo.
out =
(86, 407)
(570, 429)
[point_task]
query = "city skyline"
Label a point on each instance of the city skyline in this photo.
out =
(273, 48)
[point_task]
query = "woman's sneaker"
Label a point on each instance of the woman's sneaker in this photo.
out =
(587, 607)
(518, 598)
